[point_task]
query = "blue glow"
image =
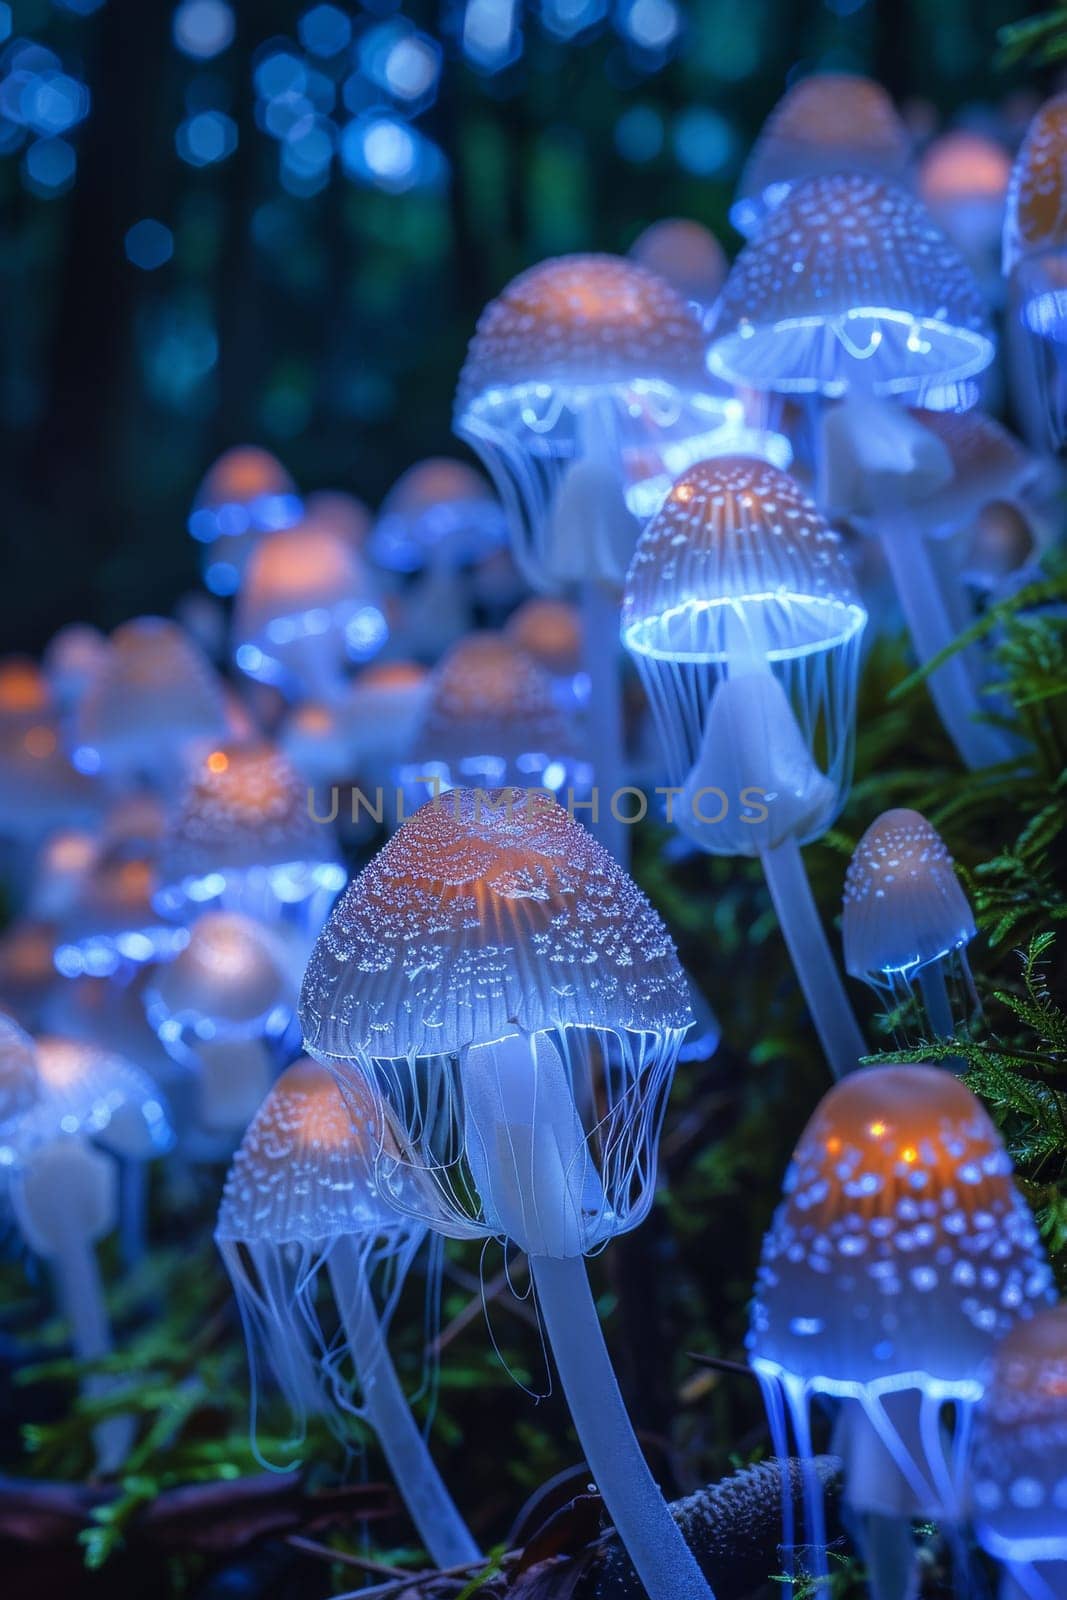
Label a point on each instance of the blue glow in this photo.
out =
(399, 59)
(149, 244)
(639, 134)
(50, 165)
(53, 103)
(566, 19)
(208, 137)
(5, 22)
(81, 8)
(222, 578)
(492, 38)
(203, 28)
(325, 30)
(704, 141)
(366, 633)
(651, 25)
(385, 151)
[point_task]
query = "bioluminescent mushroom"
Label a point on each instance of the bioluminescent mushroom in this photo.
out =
(963, 182)
(242, 837)
(512, 996)
(112, 926)
(246, 493)
(341, 515)
(1018, 1464)
(583, 393)
(439, 513)
(490, 718)
(222, 1009)
(550, 631)
(72, 659)
(41, 792)
(154, 702)
(910, 476)
(1035, 264)
(900, 1254)
(301, 1204)
(827, 123)
(686, 255)
(306, 605)
(742, 616)
(906, 921)
(849, 285)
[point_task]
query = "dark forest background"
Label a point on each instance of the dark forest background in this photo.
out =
(330, 326)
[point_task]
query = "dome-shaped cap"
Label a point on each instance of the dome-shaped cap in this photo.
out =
(88, 1090)
(487, 697)
(304, 1171)
(963, 165)
(1019, 1449)
(488, 910)
(585, 321)
(828, 122)
(902, 1250)
(244, 806)
(1035, 221)
(849, 282)
(231, 972)
(684, 254)
(737, 537)
(19, 1083)
(40, 790)
(904, 906)
(155, 690)
(292, 571)
(438, 505)
(241, 476)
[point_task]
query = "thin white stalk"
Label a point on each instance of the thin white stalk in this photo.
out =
(665, 1564)
(442, 1530)
(798, 917)
(81, 1297)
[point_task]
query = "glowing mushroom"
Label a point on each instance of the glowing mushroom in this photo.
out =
(901, 1253)
(439, 513)
(1018, 1465)
(1035, 263)
(243, 837)
(112, 926)
(246, 493)
(503, 985)
(686, 255)
(742, 616)
(963, 182)
(827, 123)
(153, 703)
(301, 1204)
(906, 919)
(490, 718)
(306, 605)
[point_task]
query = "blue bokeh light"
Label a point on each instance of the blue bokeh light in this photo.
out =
(149, 244)
(397, 58)
(50, 166)
(704, 142)
(325, 31)
(566, 19)
(386, 152)
(203, 28)
(652, 26)
(492, 38)
(207, 137)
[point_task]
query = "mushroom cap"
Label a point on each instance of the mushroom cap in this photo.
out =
(684, 254)
(292, 571)
(902, 1250)
(550, 631)
(1019, 1448)
(19, 1083)
(230, 973)
(487, 697)
(156, 690)
(314, 738)
(304, 1171)
(1035, 220)
(438, 505)
(963, 165)
(904, 906)
(115, 898)
(240, 477)
(488, 910)
(244, 806)
(988, 463)
(89, 1090)
(828, 122)
(849, 282)
(584, 322)
(40, 789)
(737, 537)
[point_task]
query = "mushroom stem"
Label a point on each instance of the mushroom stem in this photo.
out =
(642, 1518)
(934, 991)
(81, 1297)
(887, 1547)
(439, 1525)
(798, 917)
(951, 686)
